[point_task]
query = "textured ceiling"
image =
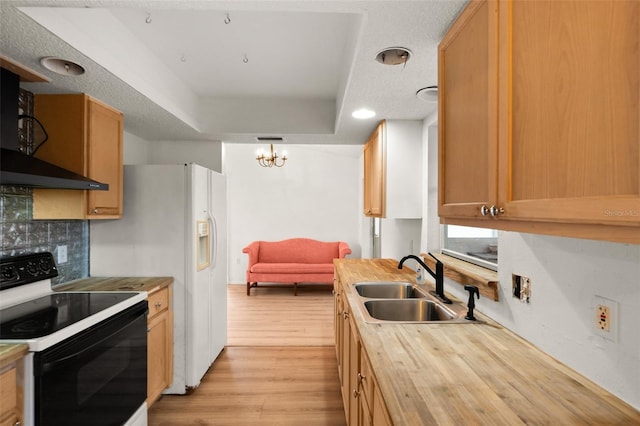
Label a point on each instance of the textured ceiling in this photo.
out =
(234, 70)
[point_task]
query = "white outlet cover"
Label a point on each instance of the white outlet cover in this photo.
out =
(612, 333)
(62, 254)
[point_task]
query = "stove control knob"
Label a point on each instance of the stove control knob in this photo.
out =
(45, 265)
(8, 273)
(32, 268)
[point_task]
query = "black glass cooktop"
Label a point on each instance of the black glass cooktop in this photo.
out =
(48, 314)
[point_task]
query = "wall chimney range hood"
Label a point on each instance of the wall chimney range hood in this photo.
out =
(18, 168)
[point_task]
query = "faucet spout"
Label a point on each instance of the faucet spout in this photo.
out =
(438, 275)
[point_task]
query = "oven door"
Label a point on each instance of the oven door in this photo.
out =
(96, 377)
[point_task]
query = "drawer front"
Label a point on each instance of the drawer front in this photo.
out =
(158, 301)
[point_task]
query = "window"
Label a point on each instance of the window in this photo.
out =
(475, 245)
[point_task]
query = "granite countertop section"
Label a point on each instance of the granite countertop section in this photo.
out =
(11, 352)
(476, 373)
(148, 284)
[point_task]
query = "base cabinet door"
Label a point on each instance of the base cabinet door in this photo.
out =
(10, 401)
(159, 344)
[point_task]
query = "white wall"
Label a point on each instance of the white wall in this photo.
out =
(566, 274)
(400, 237)
(315, 195)
(560, 319)
(136, 150)
(205, 153)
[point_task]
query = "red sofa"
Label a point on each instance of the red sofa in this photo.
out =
(292, 261)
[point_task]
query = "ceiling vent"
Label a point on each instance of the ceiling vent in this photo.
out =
(270, 139)
(394, 56)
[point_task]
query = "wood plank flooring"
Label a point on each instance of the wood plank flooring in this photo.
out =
(279, 367)
(275, 317)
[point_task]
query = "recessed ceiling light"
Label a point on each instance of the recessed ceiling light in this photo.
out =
(428, 94)
(363, 113)
(62, 66)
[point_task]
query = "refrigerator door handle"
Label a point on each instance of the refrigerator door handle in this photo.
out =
(214, 239)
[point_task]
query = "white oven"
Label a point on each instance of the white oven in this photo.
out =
(87, 361)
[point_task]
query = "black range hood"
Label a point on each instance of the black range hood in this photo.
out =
(19, 169)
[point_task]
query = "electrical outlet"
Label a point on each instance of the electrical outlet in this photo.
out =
(62, 254)
(521, 288)
(605, 319)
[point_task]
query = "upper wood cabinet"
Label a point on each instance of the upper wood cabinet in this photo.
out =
(86, 137)
(374, 174)
(539, 118)
(393, 170)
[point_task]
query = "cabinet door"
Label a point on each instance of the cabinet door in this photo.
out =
(158, 360)
(337, 318)
(569, 133)
(85, 136)
(374, 174)
(467, 115)
(105, 159)
(345, 357)
(354, 391)
(9, 398)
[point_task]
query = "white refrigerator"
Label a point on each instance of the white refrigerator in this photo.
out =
(174, 224)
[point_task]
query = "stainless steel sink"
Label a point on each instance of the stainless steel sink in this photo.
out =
(412, 310)
(388, 290)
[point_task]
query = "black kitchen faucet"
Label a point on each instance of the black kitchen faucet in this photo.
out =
(438, 275)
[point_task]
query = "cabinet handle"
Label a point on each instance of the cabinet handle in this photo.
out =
(345, 314)
(95, 211)
(158, 304)
(148, 330)
(361, 378)
(356, 393)
(495, 211)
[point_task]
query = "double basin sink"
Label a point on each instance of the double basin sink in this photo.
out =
(390, 301)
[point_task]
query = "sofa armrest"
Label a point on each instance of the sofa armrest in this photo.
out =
(343, 249)
(252, 250)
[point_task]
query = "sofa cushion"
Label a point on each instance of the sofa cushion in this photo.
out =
(298, 250)
(292, 268)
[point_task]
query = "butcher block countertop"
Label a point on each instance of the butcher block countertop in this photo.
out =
(478, 373)
(11, 352)
(148, 284)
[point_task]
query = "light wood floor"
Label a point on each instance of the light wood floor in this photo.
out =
(279, 367)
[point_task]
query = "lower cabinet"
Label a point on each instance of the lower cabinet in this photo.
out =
(363, 403)
(10, 397)
(159, 344)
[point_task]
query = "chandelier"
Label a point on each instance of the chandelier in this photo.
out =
(270, 159)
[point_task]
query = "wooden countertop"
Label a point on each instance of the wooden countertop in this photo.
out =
(470, 373)
(11, 352)
(148, 284)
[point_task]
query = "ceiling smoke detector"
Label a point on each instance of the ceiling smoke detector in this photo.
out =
(393, 56)
(428, 94)
(62, 66)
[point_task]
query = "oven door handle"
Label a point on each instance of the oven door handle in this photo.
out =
(47, 367)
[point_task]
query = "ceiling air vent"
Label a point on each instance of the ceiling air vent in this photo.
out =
(270, 139)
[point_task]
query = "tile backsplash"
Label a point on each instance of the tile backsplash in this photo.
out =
(21, 234)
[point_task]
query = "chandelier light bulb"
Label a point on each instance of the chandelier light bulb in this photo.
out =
(271, 158)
